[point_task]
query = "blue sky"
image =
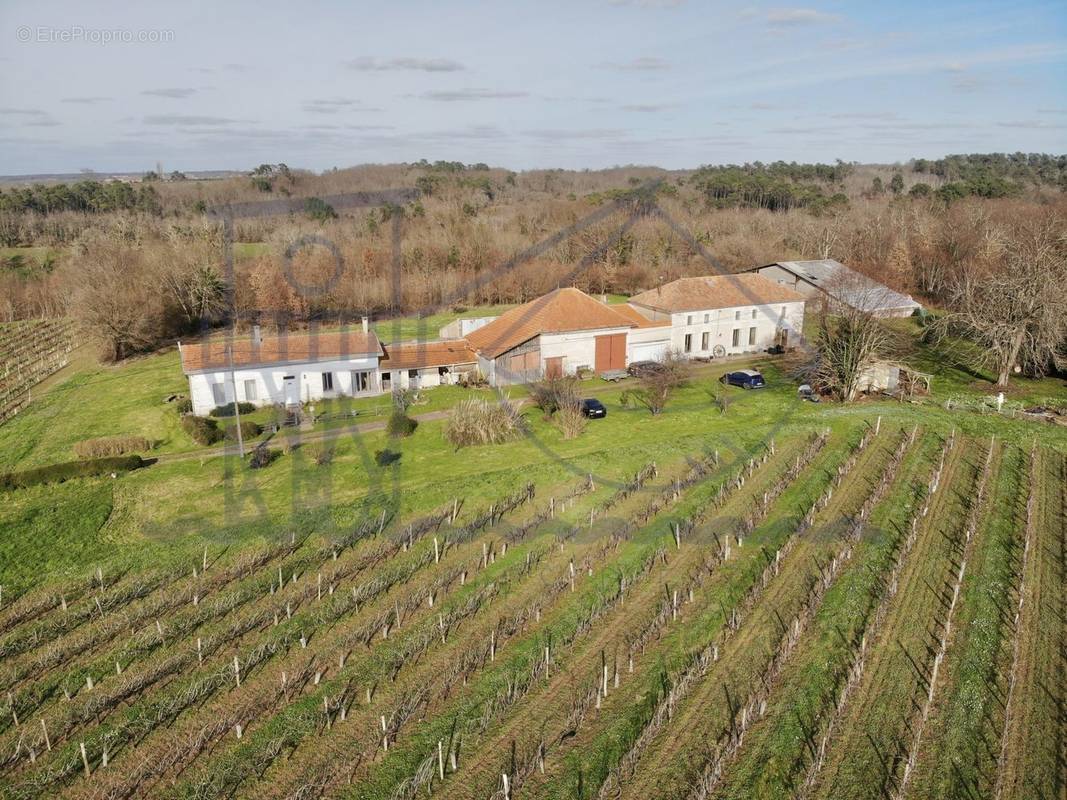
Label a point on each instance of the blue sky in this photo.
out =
(319, 84)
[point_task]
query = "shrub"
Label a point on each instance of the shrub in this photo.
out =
(383, 458)
(249, 430)
(57, 473)
(481, 422)
(107, 446)
(570, 420)
(262, 457)
(321, 454)
(184, 405)
(552, 394)
(202, 430)
(656, 387)
(227, 410)
(401, 425)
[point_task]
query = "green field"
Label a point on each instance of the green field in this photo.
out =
(496, 659)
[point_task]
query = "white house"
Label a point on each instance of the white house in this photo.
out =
(721, 315)
(286, 369)
(839, 284)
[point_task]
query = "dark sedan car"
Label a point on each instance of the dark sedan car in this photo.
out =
(640, 368)
(593, 409)
(745, 378)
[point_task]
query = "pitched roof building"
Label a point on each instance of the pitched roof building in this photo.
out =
(713, 292)
(841, 284)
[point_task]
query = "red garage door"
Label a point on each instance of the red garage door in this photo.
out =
(611, 352)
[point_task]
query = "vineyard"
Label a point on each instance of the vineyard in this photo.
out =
(868, 611)
(30, 351)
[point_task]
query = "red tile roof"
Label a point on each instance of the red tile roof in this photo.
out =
(638, 318)
(410, 355)
(716, 291)
(560, 311)
(214, 352)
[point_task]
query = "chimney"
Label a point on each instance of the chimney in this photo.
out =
(366, 325)
(257, 336)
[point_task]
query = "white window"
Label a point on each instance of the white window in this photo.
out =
(753, 313)
(737, 337)
(751, 335)
(327, 381)
(737, 314)
(387, 381)
(360, 381)
(704, 341)
(218, 393)
(707, 318)
(689, 320)
(250, 391)
(689, 343)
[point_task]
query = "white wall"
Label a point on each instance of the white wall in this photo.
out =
(721, 322)
(647, 344)
(578, 348)
(270, 383)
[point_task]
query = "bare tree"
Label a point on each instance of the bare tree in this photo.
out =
(848, 342)
(1016, 309)
(657, 385)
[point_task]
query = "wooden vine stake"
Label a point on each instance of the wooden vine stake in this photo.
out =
(85, 760)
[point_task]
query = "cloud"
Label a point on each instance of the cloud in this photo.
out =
(794, 17)
(24, 112)
(333, 105)
(188, 119)
(883, 115)
(1052, 111)
(763, 107)
(461, 95)
(970, 83)
(647, 3)
(175, 93)
(367, 64)
(641, 64)
(561, 134)
(87, 101)
(648, 108)
(1033, 123)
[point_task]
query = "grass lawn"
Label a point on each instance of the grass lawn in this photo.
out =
(38, 254)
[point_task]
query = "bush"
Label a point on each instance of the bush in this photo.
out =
(202, 430)
(570, 420)
(184, 405)
(57, 473)
(383, 458)
(228, 409)
(552, 394)
(321, 454)
(401, 425)
(261, 457)
(249, 430)
(481, 422)
(107, 446)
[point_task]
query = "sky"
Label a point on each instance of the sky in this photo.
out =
(120, 86)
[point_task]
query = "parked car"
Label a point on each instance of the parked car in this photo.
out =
(639, 368)
(745, 378)
(593, 408)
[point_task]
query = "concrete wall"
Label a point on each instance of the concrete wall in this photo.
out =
(270, 385)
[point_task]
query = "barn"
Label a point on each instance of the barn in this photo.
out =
(557, 334)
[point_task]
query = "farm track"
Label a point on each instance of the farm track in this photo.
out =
(959, 754)
(1032, 761)
(279, 640)
(858, 762)
(782, 742)
(707, 724)
(532, 637)
(558, 711)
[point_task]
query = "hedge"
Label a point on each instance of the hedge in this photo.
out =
(107, 446)
(57, 473)
(227, 410)
(249, 430)
(204, 431)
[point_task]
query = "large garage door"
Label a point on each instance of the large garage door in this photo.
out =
(611, 352)
(649, 351)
